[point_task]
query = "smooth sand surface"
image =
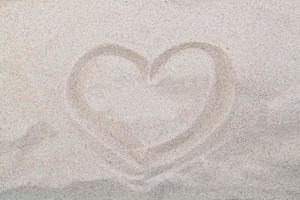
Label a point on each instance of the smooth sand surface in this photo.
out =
(150, 99)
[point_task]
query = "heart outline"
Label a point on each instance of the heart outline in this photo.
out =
(220, 100)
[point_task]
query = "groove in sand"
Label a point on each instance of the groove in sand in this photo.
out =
(148, 162)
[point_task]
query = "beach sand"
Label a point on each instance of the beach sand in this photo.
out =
(150, 99)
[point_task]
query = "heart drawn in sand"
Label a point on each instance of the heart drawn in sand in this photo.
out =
(145, 162)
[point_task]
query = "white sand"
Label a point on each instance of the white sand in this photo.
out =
(95, 90)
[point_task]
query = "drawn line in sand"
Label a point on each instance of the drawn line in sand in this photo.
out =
(150, 164)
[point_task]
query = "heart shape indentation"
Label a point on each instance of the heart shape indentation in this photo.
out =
(109, 130)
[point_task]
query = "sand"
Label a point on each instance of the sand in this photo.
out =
(149, 99)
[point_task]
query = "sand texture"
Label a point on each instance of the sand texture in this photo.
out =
(149, 99)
